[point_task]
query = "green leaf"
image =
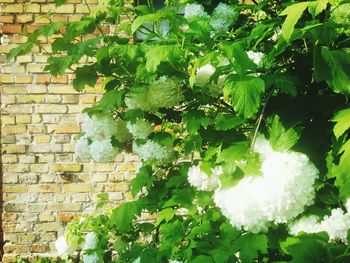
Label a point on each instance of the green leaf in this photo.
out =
(241, 62)
(293, 13)
(165, 215)
(163, 53)
(224, 122)
(203, 259)
(20, 50)
(250, 246)
(58, 65)
(143, 178)
(342, 119)
(284, 83)
(59, 2)
(339, 64)
(321, 69)
(85, 75)
(123, 216)
(228, 158)
(280, 138)
(246, 94)
(308, 248)
(316, 7)
(151, 18)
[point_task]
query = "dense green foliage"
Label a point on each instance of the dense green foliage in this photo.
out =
(297, 95)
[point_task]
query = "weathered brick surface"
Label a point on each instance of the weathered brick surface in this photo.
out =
(43, 186)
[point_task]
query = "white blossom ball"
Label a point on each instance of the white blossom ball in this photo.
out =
(154, 152)
(223, 17)
(194, 10)
(82, 149)
(99, 127)
(91, 258)
(140, 129)
(279, 194)
(201, 180)
(307, 224)
(62, 247)
(103, 151)
(256, 57)
(203, 75)
(90, 241)
(122, 133)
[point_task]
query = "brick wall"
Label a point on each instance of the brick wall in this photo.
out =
(40, 116)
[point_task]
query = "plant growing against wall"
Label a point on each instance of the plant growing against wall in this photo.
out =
(240, 116)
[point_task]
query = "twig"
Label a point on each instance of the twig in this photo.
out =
(260, 119)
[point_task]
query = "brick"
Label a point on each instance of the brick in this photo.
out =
(8, 99)
(31, 29)
(38, 248)
(61, 89)
(73, 99)
(13, 89)
(42, 138)
(36, 128)
(44, 188)
(9, 207)
(46, 227)
(14, 149)
(30, 98)
(7, 139)
(25, 238)
(36, 89)
(88, 99)
(13, 68)
(63, 9)
(59, 79)
(7, 18)
(50, 108)
(9, 217)
(14, 129)
(66, 217)
(9, 158)
(53, 98)
(42, 79)
(18, 109)
(35, 68)
(34, 208)
(64, 207)
(39, 168)
(11, 8)
(16, 168)
(7, 120)
(25, 18)
(14, 189)
(32, 8)
(64, 129)
(36, 118)
(46, 216)
(66, 167)
(24, 79)
(41, 20)
(11, 29)
(23, 119)
(15, 248)
(113, 187)
(7, 78)
(77, 187)
(27, 158)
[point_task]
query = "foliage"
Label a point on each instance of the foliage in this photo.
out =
(204, 86)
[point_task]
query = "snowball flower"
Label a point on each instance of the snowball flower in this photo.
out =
(154, 152)
(91, 240)
(82, 149)
(279, 194)
(255, 56)
(202, 181)
(336, 225)
(223, 17)
(194, 10)
(203, 75)
(140, 129)
(62, 247)
(103, 151)
(92, 258)
(98, 127)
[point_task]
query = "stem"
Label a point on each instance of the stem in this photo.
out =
(260, 119)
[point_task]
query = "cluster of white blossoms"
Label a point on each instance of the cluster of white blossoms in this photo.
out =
(223, 17)
(203, 75)
(90, 242)
(140, 129)
(336, 224)
(96, 144)
(202, 181)
(154, 152)
(279, 194)
(194, 10)
(256, 57)
(162, 93)
(62, 247)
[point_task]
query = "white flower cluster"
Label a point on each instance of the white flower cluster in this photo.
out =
(162, 93)
(203, 75)
(62, 247)
(255, 56)
(202, 181)
(100, 130)
(336, 225)
(223, 16)
(154, 152)
(279, 194)
(90, 242)
(194, 10)
(140, 129)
